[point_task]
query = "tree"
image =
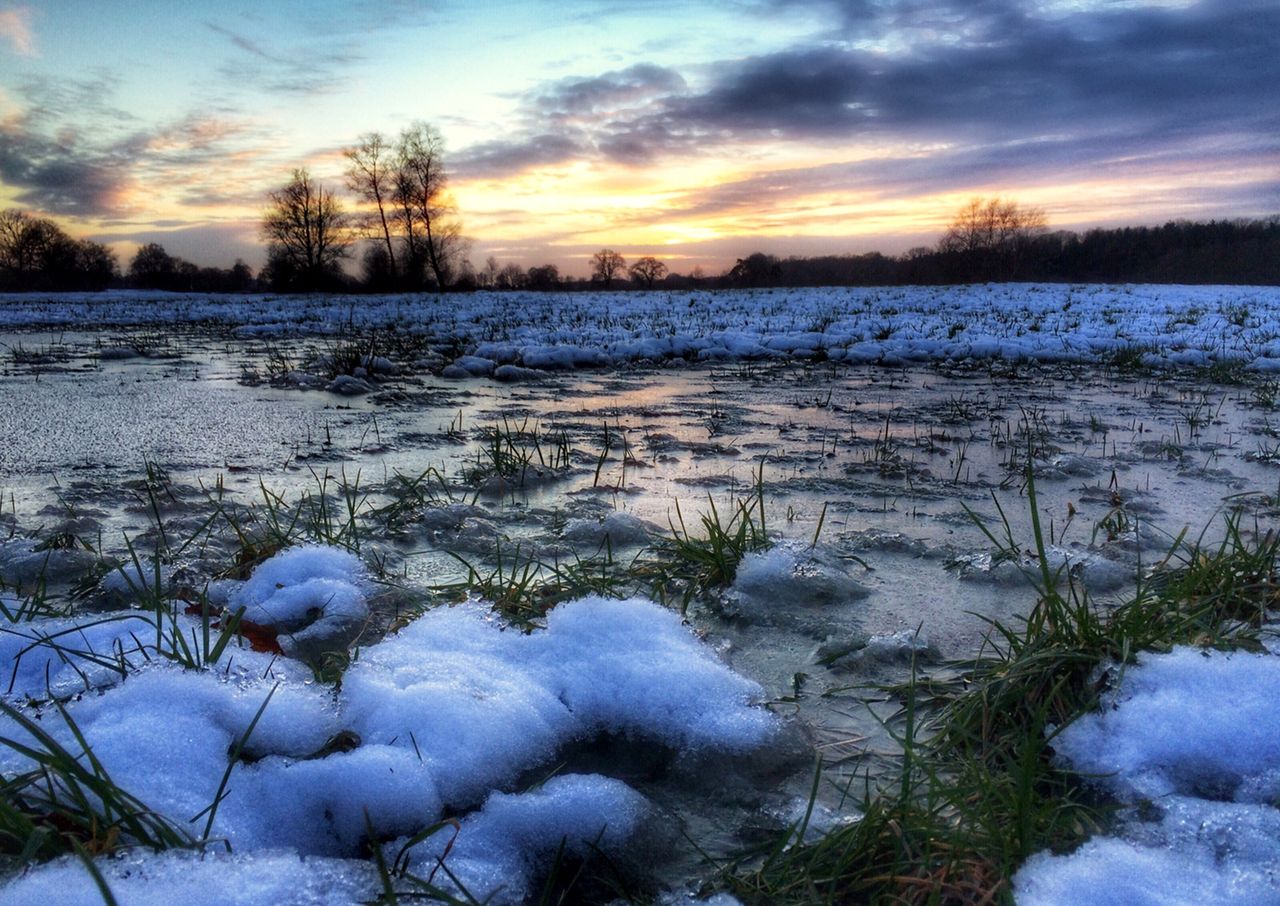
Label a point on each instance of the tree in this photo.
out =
(546, 277)
(757, 269)
(371, 175)
(607, 264)
(26, 243)
(426, 215)
(307, 233)
(648, 270)
(152, 267)
(35, 253)
(993, 234)
(510, 276)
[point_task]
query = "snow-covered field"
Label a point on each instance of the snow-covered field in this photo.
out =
(1172, 325)
(467, 746)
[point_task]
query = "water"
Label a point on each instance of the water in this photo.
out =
(874, 474)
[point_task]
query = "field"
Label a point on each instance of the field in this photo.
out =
(775, 596)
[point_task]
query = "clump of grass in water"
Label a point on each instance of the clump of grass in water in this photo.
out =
(977, 792)
(523, 588)
(699, 564)
(509, 451)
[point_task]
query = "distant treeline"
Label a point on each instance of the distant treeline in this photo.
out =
(36, 255)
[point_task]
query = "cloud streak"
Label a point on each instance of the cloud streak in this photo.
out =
(15, 30)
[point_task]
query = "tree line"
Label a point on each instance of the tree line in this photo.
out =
(409, 238)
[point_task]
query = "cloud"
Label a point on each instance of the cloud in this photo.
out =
(1017, 78)
(314, 68)
(96, 167)
(59, 176)
(15, 28)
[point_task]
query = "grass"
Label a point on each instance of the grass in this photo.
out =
(523, 588)
(976, 791)
(509, 451)
(695, 564)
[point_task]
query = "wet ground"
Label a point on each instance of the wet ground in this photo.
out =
(871, 479)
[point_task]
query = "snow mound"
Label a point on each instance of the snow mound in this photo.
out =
(789, 574)
(1189, 721)
(496, 853)
(1193, 734)
(1110, 872)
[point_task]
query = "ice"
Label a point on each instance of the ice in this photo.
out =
(773, 582)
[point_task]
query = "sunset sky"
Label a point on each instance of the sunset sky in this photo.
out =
(693, 130)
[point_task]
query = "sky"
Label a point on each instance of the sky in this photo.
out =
(696, 131)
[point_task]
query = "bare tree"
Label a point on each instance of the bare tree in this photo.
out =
(306, 231)
(648, 270)
(428, 218)
(26, 242)
(995, 232)
(607, 264)
(371, 175)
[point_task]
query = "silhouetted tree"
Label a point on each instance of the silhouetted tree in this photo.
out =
(647, 270)
(35, 253)
(544, 278)
(757, 269)
(606, 265)
(510, 276)
(152, 267)
(371, 174)
(993, 235)
(307, 233)
(427, 216)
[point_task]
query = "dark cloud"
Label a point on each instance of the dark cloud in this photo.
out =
(498, 158)
(1013, 85)
(1199, 69)
(611, 92)
(86, 171)
(59, 176)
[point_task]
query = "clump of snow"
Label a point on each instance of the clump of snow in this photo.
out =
(439, 716)
(1195, 735)
(498, 849)
(481, 703)
(1181, 722)
(615, 529)
(1111, 872)
(61, 656)
(24, 565)
(313, 595)
(349, 385)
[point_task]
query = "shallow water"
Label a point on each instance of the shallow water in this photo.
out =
(885, 466)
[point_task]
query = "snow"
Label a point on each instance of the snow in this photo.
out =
(312, 595)
(440, 718)
(497, 849)
(1195, 734)
(212, 879)
(889, 325)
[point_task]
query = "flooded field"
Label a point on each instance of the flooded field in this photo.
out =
(873, 518)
